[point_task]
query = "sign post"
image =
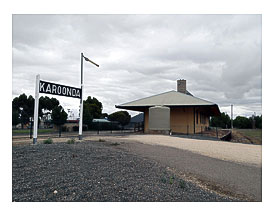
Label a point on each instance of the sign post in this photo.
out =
(50, 88)
(81, 99)
(81, 102)
(36, 105)
(61, 90)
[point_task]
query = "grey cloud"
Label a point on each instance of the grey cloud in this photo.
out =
(141, 55)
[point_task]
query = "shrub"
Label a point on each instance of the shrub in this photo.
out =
(163, 180)
(101, 140)
(182, 184)
(48, 141)
(71, 141)
(171, 180)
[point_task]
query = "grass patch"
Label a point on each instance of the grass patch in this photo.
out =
(101, 140)
(27, 131)
(115, 144)
(171, 180)
(182, 184)
(71, 141)
(163, 180)
(48, 141)
(253, 134)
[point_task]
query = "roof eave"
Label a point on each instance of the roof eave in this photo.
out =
(215, 111)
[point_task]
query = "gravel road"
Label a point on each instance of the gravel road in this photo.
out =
(231, 168)
(96, 171)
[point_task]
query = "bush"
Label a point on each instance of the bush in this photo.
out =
(182, 184)
(48, 141)
(71, 141)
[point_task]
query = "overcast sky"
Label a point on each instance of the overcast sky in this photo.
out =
(220, 56)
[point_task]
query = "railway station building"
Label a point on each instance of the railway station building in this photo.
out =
(174, 111)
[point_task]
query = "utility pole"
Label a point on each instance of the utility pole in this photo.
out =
(232, 116)
(81, 99)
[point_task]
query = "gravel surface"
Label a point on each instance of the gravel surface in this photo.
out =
(96, 171)
(235, 152)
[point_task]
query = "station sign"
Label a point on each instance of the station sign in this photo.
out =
(57, 89)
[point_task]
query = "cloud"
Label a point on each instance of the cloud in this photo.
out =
(140, 55)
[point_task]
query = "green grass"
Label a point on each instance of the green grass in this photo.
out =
(27, 131)
(48, 141)
(182, 184)
(101, 140)
(254, 134)
(71, 141)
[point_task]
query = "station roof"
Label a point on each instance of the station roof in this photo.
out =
(171, 99)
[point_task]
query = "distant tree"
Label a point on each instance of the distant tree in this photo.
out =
(92, 108)
(104, 115)
(15, 117)
(258, 121)
(242, 122)
(59, 116)
(87, 114)
(222, 121)
(46, 105)
(123, 117)
(95, 106)
(23, 105)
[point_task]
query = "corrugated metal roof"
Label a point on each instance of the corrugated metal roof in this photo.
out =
(170, 99)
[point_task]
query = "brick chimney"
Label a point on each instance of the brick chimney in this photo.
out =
(181, 86)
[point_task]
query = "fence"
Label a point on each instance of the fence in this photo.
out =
(200, 132)
(94, 128)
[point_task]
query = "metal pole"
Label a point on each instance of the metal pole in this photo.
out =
(231, 116)
(81, 101)
(36, 105)
(31, 130)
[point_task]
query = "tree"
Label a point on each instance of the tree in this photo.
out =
(123, 117)
(46, 105)
(87, 114)
(25, 107)
(22, 105)
(59, 116)
(92, 108)
(104, 115)
(258, 121)
(222, 121)
(15, 117)
(242, 122)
